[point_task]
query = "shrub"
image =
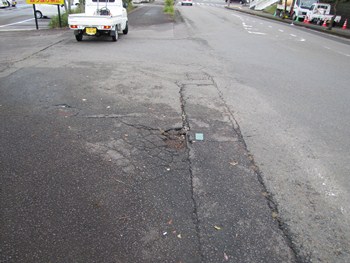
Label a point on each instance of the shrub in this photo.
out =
(55, 22)
(169, 7)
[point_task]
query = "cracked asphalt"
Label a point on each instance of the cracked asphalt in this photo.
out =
(100, 163)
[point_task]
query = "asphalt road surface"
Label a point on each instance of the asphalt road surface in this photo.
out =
(288, 90)
(218, 137)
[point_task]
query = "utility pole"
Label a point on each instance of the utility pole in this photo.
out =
(333, 17)
(292, 10)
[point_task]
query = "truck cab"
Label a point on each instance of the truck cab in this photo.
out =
(301, 8)
(93, 7)
(320, 13)
(322, 9)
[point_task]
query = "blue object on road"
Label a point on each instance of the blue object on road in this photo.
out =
(199, 136)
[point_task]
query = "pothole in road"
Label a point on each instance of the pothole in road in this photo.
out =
(63, 105)
(175, 139)
(66, 110)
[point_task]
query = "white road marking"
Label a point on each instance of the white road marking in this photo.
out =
(338, 52)
(16, 29)
(281, 30)
(245, 25)
(292, 35)
(256, 33)
(344, 54)
(20, 22)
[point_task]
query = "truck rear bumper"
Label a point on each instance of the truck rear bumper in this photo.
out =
(78, 32)
(98, 32)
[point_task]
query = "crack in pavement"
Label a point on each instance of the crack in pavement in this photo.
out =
(185, 123)
(11, 65)
(225, 111)
(268, 196)
(186, 128)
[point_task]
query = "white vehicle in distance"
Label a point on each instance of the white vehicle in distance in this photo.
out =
(186, 2)
(4, 3)
(101, 17)
(48, 11)
(7, 3)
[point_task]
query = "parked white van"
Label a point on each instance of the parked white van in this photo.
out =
(48, 11)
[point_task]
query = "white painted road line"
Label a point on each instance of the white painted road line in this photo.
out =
(20, 22)
(256, 33)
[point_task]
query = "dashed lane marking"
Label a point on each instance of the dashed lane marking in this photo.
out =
(256, 33)
(338, 52)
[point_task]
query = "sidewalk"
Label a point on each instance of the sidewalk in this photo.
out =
(337, 31)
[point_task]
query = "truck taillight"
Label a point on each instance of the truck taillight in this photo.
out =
(107, 27)
(73, 26)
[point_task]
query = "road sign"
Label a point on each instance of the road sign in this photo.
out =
(45, 2)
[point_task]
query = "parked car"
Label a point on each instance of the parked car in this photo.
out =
(186, 2)
(48, 11)
(4, 3)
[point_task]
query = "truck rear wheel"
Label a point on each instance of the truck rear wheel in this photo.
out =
(79, 37)
(115, 36)
(126, 30)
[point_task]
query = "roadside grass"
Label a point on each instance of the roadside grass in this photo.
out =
(55, 22)
(169, 7)
(271, 9)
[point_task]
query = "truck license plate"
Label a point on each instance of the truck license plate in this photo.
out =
(91, 30)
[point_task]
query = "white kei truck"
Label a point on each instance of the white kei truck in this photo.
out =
(299, 10)
(320, 13)
(101, 17)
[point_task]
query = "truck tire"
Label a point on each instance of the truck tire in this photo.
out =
(126, 30)
(115, 36)
(79, 37)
